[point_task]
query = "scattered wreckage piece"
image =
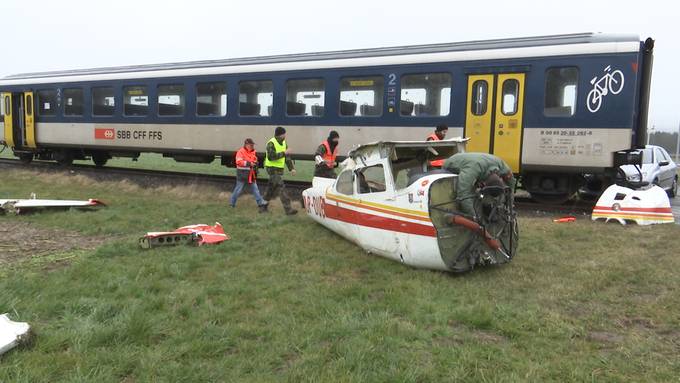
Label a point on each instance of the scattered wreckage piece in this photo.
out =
(196, 235)
(389, 203)
(644, 207)
(17, 206)
(12, 333)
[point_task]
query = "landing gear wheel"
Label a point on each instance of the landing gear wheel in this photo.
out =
(26, 158)
(100, 160)
(550, 199)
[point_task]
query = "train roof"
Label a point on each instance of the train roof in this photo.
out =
(164, 70)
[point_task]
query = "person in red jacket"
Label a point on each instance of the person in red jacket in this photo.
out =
(246, 165)
(438, 135)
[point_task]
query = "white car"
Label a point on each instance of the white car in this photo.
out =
(657, 168)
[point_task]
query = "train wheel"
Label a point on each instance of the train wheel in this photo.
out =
(26, 158)
(64, 158)
(100, 160)
(550, 188)
(550, 199)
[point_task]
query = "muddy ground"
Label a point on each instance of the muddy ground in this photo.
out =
(21, 241)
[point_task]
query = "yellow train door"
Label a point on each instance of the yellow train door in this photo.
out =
(479, 115)
(507, 142)
(9, 133)
(493, 119)
(29, 120)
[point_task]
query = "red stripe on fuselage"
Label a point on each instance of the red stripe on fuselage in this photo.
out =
(637, 209)
(375, 221)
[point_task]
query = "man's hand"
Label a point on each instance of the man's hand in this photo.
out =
(293, 172)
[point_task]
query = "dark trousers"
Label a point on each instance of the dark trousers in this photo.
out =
(276, 187)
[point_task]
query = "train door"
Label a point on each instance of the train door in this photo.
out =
(493, 119)
(19, 120)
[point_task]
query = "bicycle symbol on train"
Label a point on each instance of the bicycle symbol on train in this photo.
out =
(610, 82)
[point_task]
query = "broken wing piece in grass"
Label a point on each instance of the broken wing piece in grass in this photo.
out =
(187, 235)
(12, 333)
(644, 207)
(17, 206)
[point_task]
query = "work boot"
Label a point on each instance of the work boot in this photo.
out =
(291, 211)
(264, 208)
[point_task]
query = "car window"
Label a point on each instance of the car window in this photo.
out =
(659, 156)
(647, 157)
(371, 179)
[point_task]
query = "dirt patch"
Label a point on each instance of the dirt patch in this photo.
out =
(638, 323)
(20, 241)
(605, 338)
(462, 334)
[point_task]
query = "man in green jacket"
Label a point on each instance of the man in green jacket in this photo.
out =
(274, 163)
(476, 170)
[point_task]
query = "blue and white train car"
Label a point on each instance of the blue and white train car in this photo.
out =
(553, 107)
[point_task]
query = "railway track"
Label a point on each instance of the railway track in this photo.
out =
(154, 178)
(143, 177)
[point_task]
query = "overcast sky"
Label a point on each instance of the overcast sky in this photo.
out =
(52, 35)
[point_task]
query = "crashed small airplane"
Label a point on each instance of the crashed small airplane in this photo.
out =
(386, 201)
(17, 206)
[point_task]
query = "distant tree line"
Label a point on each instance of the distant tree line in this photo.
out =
(667, 140)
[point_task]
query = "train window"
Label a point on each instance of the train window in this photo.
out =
(510, 96)
(103, 101)
(171, 100)
(73, 102)
(423, 95)
(211, 99)
(29, 105)
(256, 98)
(480, 97)
(560, 92)
(345, 183)
(362, 96)
(305, 97)
(8, 107)
(135, 101)
(47, 102)
(371, 179)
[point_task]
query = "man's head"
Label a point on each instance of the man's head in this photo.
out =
(333, 136)
(441, 131)
(494, 183)
(249, 144)
(280, 133)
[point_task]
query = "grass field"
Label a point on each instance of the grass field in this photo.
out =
(155, 161)
(287, 300)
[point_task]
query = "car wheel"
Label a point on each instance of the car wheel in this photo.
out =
(674, 188)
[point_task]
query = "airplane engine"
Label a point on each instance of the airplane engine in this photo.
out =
(490, 237)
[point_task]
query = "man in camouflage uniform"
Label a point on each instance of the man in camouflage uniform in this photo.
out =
(477, 170)
(275, 161)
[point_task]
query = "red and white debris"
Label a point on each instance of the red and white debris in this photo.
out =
(11, 333)
(17, 206)
(198, 235)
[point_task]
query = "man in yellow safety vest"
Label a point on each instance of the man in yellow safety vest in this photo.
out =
(275, 161)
